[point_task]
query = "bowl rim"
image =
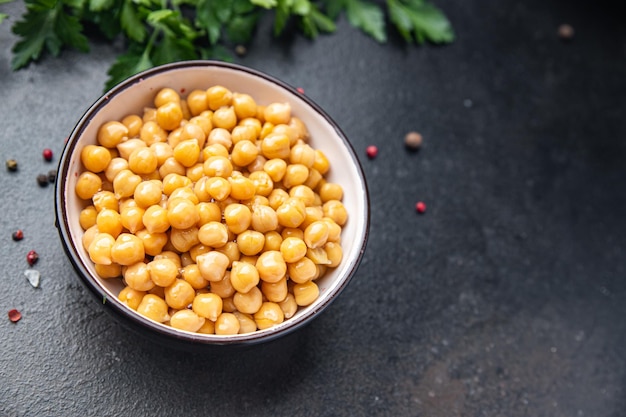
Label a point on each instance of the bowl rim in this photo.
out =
(138, 321)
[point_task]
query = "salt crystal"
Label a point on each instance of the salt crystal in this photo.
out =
(33, 277)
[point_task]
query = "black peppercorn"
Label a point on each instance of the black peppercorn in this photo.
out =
(42, 180)
(12, 165)
(52, 176)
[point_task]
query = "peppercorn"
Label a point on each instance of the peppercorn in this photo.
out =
(52, 176)
(18, 235)
(32, 257)
(420, 207)
(300, 90)
(42, 180)
(15, 315)
(371, 151)
(413, 140)
(566, 32)
(11, 165)
(241, 50)
(47, 154)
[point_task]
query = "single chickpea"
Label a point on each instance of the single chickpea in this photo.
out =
(179, 294)
(154, 308)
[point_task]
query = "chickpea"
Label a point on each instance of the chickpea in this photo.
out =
(108, 271)
(109, 221)
(169, 115)
(95, 158)
(191, 274)
(163, 272)
(305, 293)
(207, 305)
(246, 322)
(187, 152)
(184, 239)
(250, 242)
(227, 323)
(127, 250)
(293, 249)
(133, 123)
(268, 315)
(182, 213)
(148, 193)
(213, 265)
(87, 217)
(271, 266)
(131, 297)
(166, 95)
(289, 306)
(115, 166)
(152, 133)
(244, 105)
(249, 302)
(111, 134)
(224, 118)
(218, 96)
(100, 248)
(87, 185)
(237, 217)
(278, 113)
(153, 243)
(243, 277)
(197, 102)
(154, 308)
(179, 294)
(186, 320)
(126, 148)
(137, 277)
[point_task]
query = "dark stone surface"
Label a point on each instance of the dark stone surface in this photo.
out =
(506, 298)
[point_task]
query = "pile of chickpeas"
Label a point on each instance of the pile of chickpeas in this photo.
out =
(212, 209)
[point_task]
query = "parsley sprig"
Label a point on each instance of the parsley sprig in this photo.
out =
(161, 31)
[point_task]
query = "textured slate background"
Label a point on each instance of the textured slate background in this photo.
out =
(507, 298)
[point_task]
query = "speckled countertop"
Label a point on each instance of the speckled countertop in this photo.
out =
(506, 298)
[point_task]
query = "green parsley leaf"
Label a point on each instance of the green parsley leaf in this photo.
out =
(321, 21)
(45, 25)
(314, 22)
(173, 48)
(100, 5)
(128, 64)
(281, 16)
(266, 4)
(108, 21)
(301, 7)
(419, 21)
(3, 16)
(243, 6)
(334, 8)
(241, 27)
(131, 23)
(368, 17)
(207, 20)
(69, 30)
(222, 9)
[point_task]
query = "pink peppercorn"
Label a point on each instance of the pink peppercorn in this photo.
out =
(47, 154)
(18, 235)
(371, 151)
(300, 90)
(32, 257)
(420, 207)
(15, 315)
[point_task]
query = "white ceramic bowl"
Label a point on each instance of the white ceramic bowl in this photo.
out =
(131, 96)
